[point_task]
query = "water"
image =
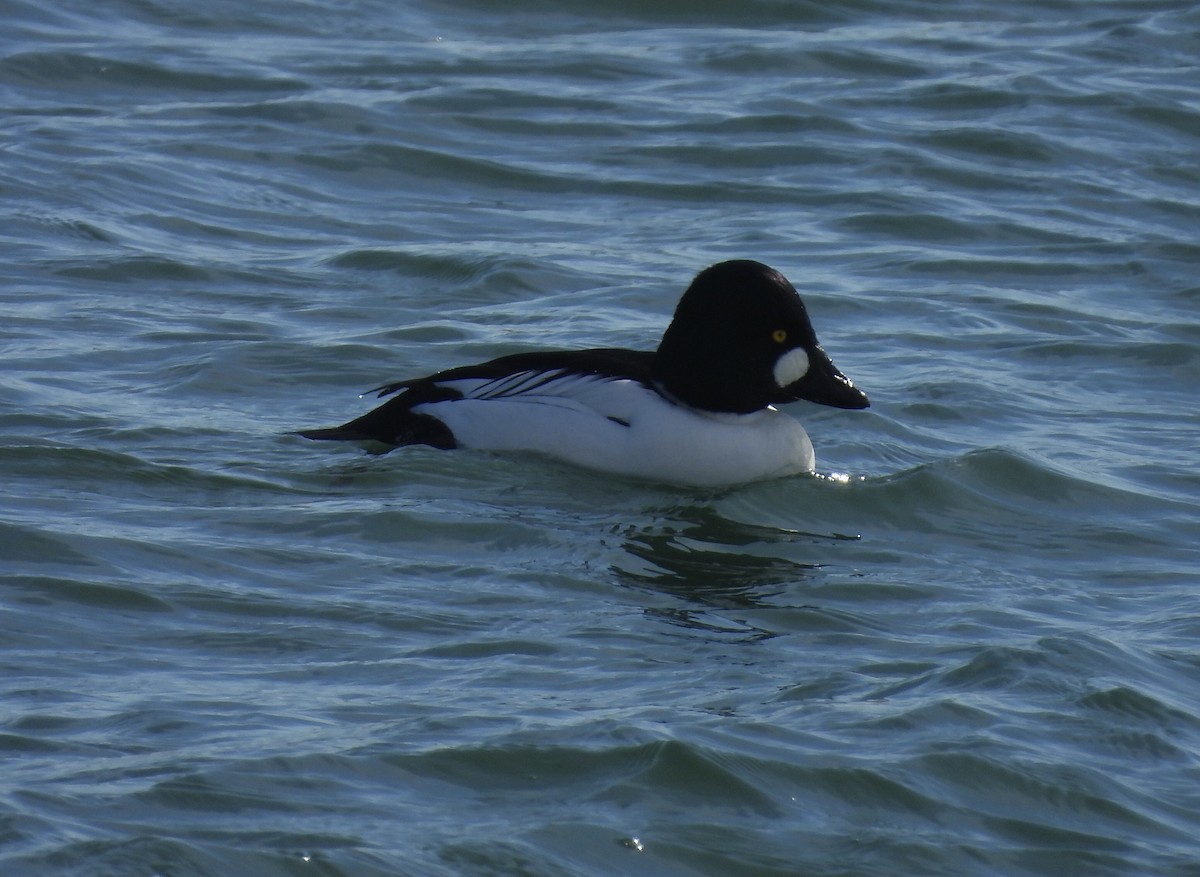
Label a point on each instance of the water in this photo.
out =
(967, 649)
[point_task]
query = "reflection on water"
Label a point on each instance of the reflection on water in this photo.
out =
(709, 562)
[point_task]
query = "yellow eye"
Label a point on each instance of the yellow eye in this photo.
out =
(779, 336)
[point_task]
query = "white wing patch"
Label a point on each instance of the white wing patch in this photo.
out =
(557, 386)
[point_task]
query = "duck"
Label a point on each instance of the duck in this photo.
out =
(698, 411)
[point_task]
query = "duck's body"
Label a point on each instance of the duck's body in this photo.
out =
(697, 411)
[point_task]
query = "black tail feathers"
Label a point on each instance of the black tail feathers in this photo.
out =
(389, 424)
(334, 434)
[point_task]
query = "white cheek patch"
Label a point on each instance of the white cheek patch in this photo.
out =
(790, 367)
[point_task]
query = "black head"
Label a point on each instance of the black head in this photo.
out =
(741, 340)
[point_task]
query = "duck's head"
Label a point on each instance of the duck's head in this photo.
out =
(741, 340)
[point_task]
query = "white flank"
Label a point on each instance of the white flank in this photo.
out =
(620, 426)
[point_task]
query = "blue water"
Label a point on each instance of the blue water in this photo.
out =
(968, 647)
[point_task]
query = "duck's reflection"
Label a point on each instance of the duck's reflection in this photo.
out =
(710, 562)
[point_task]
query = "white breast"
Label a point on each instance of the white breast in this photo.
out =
(582, 419)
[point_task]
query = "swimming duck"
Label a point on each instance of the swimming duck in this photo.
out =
(699, 410)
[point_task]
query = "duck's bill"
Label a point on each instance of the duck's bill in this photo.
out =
(825, 385)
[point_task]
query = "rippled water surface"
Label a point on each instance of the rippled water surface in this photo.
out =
(969, 647)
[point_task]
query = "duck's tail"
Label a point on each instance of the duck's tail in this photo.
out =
(391, 424)
(343, 433)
